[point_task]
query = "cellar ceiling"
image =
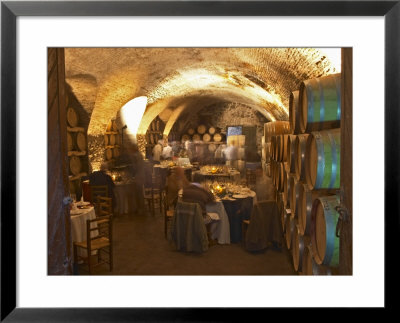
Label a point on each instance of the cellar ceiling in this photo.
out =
(180, 81)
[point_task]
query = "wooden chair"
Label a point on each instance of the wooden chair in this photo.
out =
(104, 205)
(245, 225)
(98, 238)
(97, 191)
(169, 211)
(152, 191)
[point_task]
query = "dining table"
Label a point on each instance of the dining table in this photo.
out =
(232, 208)
(238, 207)
(123, 192)
(165, 169)
(79, 214)
(200, 176)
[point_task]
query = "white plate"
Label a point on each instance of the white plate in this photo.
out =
(239, 196)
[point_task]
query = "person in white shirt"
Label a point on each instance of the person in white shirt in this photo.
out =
(157, 151)
(167, 152)
(231, 154)
(219, 154)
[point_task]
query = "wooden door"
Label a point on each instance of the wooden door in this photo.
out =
(59, 225)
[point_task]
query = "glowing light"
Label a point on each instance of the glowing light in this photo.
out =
(131, 115)
(334, 55)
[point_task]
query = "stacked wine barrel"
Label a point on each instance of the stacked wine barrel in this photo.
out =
(112, 142)
(76, 143)
(155, 132)
(269, 155)
(311, 175)
(211, 135)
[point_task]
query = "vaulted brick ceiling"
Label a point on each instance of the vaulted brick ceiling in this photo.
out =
(178, 80)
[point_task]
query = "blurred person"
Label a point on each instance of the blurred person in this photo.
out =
(192, 192)
(101, 177)
(176, 148)
(189, 150)
(232, 155)
(136, 171)
(157, 151)
(167, 152)
(219, 154)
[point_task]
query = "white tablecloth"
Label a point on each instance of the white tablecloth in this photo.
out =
(123, 194)
(78, 226)
(219, 230)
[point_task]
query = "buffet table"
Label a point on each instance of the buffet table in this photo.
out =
(201, 176)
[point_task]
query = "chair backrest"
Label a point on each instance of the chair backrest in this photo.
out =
(98, 190)
(101, 227)
(188, 229)
(104, 205)
(148, 174)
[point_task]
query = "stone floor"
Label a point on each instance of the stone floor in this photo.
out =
(140, 248)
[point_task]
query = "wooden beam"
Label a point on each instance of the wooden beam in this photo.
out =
(346, 162)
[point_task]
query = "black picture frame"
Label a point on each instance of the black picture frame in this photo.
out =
(10, 10)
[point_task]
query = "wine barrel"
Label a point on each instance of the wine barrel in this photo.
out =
(212, 147)
(274, 128)
(290, 153)
(300, 156)
(305, 202)
(111, 126)
(116, 152)
(153, 126)
(282, 147)
(310, 267)
(158, 125)
(324, 241)
(279, 201)
(196, 137)
(287, 189)
(290, 226)
(206, 137)
(191, 131)
(201, 129)
(70, 141)
(81, 141)
(211, 130)
(294, 190)
(113, 139)
(75, 165)
(185, 137)
(285, 213)
(217, 137)
(267, 151)
(72, 117)
(268, 169)
(319, 103)
(298, 243)
(273, 172)
(280, 176)
(322, 169)
(107, 140)
(109, 154)
(294, 112)
(273, 147)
